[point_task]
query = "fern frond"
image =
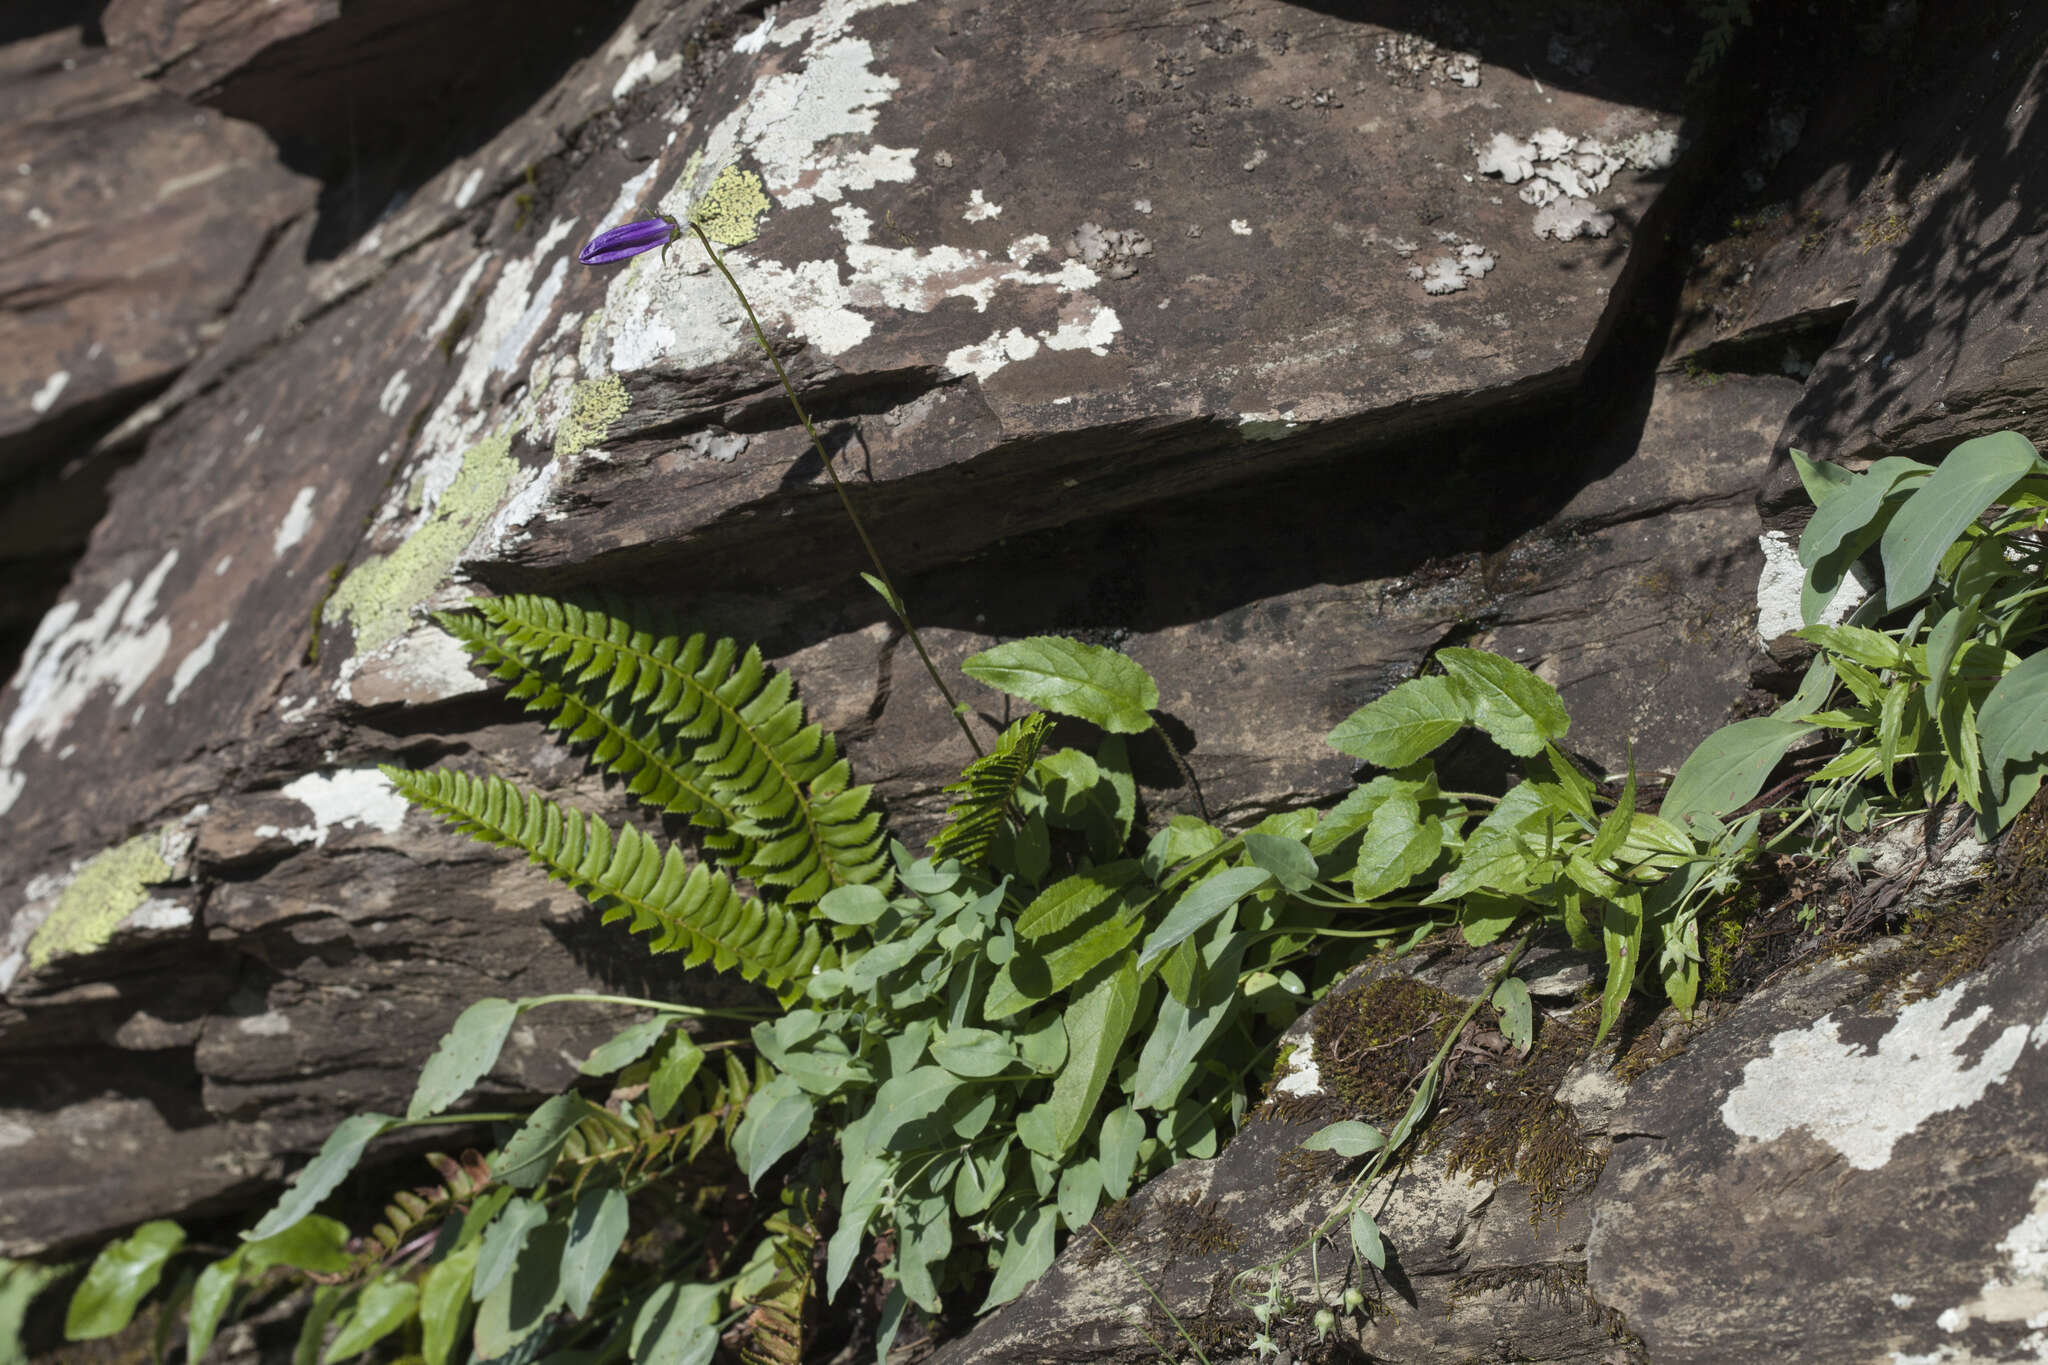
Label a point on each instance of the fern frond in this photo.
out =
(775, 1329)
(735, 723)
(692, 910)
(658, 774)
(987, 786)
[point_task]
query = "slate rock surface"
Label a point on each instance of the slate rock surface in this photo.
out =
(1276, 348)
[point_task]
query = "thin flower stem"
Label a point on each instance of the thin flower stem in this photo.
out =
(663, 1006)
(895, 598)
(1173, 752)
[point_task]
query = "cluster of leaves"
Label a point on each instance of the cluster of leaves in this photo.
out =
(976, 1047)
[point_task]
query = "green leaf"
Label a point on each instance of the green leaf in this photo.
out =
(1399, 846)
(1495, 857)
(1184, 837)
(530, 1152)
(1097, 1023)
(627, 1046)
(1080, 1190)
(1728, 769)
(525, 1299)
(313, 1243)
(381, 1309)
(1034, 975)
(1848, 524)
(503, 1240)
(853, 904)
(1044, 1044)
(1405, 724)
(1517, 1012)
(1519, 710)
(910, 1099)
(597, 1228)
(1117, 1149)
(20, 1283)
(1026, 1254)
(1290, 862)
(678, 1067)
(1564, 788)
(1347, 1137)
(1621, 933)
(1944, 638)
(1065, 676)
(326, 1299)
(466, 1054)
(1183, 1029)
(210, 1296)
(119, 1277)
(1484, 917)
(1067, 900)
(976, 1053)
(1201, 906)
(677, 1326)
(2012, 724)
(445, 1303)
(336, 1158)
(1820, 480)
(1858, 644)
(883, 591)
(1614, 828)
(1365, 1240)
(777, 1120)
(1975, 475)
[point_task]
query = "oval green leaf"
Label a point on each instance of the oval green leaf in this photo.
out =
(1347, 1137)
(465, 1056)
(1072, 679)
(121, 1274)
(1404, 725)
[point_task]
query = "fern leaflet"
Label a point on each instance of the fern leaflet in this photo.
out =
(986, 787)
(736, 726)
(775, 1329)
(659, 774)
(693, 910)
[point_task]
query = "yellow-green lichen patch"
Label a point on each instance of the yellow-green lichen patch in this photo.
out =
(107, 890)
(594, 405)
(378, 595)
(731, 207)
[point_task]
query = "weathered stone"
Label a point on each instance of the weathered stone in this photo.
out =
(132, 220)
(1825, 1177)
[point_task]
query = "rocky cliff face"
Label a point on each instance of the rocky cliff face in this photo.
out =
(1275, 345)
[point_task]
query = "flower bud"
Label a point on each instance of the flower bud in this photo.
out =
(1326, 1321)
(1354, 1299)
(628, 239)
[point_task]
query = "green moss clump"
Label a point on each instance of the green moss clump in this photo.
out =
(1371, 1043)
(1945, 943)
(1192, 1226)
(1506, 1123)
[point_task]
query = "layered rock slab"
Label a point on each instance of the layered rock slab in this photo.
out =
(1831, 1178)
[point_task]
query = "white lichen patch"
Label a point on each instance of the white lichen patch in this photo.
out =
(45, 397)
(298, 519)
(1240, 227)
(347, 798)
(1862, 1102)
(1778, 588)
(645, 69)
(808, 129)
(2014, 1295)
(1560, 175)
(1113, 252)
(1451, 273)
(979, 210)
(1302, 1078)
(69, 660)
(194, 663)
(465, 193)
(394, 394)
(1413, 57)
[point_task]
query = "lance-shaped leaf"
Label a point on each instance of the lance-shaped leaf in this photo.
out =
(1097, 1023)
(1975, 475)
(337, 1157)
(120, 1275)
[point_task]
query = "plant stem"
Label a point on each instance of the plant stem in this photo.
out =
(1173, 752)
(1171, 1316)
(894, 598)
(692, 1011)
